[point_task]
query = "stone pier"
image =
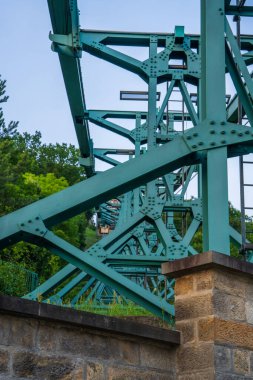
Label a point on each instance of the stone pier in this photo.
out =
(214, 312)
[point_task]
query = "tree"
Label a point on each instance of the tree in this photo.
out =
(11, 128)
(29, 171)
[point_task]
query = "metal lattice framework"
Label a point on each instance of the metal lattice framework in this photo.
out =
(141, 199)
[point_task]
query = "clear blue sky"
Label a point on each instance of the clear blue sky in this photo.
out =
(37, 95)
(34, 80)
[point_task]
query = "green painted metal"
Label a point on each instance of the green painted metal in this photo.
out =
(65, 20)
(68, 287)
(82, 291)
(52, 283)
(102, 272)
(151, 187)
(245, 11)
(213, 109)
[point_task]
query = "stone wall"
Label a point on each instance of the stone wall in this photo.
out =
(41, 342)
(214, 319)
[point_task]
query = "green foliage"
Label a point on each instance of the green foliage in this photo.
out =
(31, 170)
(43, 184)
(116, 309)
(197, 241)
(29, 188)
(10, 129)
(13, 280)
(235, 222)
(91, 236)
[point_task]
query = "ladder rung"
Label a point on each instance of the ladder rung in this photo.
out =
(248, 184)
(248, 208)
(247, 162)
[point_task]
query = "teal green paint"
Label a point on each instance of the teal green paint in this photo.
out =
(213, 110)
(128, 250)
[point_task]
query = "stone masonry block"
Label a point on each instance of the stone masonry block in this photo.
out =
(32, 366)
(231, 376)
(229, 307)
(222, 358)
(124, 351)
(4, 361)
(251, 363)
(249, 311)
(241, 361)
(157, 357)
(95, 371)
(188, 331)
(83, 343)
(130, 373)
(205, 329)
(48, 337)
(184, 286)
(233, 333)
(194, 307)
(230, 283)
(203, 280)
(201, 375)
(195, 358)
(189, 376)
(75, 342)
(249, 289)
(16, 331)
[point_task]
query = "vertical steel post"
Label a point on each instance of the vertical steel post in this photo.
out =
(151, 124)
(136, 192)
(213, 111)
(241, 168)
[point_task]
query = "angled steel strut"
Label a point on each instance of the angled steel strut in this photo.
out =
(141, 200)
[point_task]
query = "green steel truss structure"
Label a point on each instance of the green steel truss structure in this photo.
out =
(140, 199)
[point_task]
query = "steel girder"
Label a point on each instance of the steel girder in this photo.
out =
(187, 149)
(65, 20)
(126, 133)
(211, 140)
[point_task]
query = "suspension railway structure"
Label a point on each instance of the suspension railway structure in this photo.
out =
(142, 202)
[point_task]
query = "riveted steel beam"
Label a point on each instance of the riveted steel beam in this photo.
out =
(84, 195)
(244, 11)
(108, 276)
(64, 19)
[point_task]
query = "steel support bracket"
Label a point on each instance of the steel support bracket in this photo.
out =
(214, 134)
(34, 226)
(152, 207)
(86, 161)
(63, 44)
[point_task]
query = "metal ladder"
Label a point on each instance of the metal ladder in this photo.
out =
(246, 246)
